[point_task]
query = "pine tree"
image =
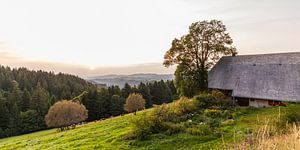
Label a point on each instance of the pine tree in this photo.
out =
(15, 95)
(116, 105)
(14, 99)
(114, 90)
(145, 91)
(26, 98)
(126, 90)
(4, 113)
(40, 100)
(89, 100)
(172, 87)
(14, 121)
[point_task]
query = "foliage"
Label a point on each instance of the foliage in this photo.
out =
(31, 121)
(166, 117)
(214, 99)
(142, 127)
(213, 113)
(134, 102)
(289, 117)
(65, 113)
(144, 90)
(196, 52)
(292, 116)
(160, 92)
(25, 97)
(4, 117)
(200, 130)
(116, 106)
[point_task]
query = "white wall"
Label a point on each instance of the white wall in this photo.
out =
(259, 103)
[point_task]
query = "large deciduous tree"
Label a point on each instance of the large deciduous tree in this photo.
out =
(196, 52)
(65, 113)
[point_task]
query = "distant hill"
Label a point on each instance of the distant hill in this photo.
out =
(133, 79)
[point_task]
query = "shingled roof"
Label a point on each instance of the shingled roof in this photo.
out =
(266, 76)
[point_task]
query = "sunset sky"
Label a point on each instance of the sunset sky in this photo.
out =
(96, 37)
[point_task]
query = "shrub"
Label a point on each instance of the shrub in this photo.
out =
(227, 114)
(200, 130)
(214, 122)
(213, 113)
(142, 127)
(214, 99)
(292, 116)
(65, 113)
(173, 128)
(184, 106)
(134, 102)
(166, 117)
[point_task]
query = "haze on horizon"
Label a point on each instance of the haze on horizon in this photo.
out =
(89, 38)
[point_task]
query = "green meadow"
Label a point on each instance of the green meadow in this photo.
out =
(109, 134)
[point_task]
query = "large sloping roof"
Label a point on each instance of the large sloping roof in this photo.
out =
(266, 76)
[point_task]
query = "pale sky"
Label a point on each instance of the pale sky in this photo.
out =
(94, 37)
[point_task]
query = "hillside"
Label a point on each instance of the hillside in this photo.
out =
(109, 133)
(26, 95)
(132, 80)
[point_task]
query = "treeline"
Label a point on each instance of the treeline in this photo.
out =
(106, 102)
(26, 96)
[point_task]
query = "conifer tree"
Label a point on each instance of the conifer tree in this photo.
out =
(145, 91)
(25, 102)
(4, 113)
(117, 104)
(40, 100)
(126, 90)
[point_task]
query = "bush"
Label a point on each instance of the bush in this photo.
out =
(200, 130)
(173, 128)
(292, 116)
(142, 127)
(214, 99)
(214, 122)
(163, 118)
(65, 113)
(184, 106)
(213, 113)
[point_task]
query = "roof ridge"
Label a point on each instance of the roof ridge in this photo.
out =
(266, 54)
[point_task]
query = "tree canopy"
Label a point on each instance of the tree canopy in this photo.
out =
(196, 52)
(134, 102)
(65, 113)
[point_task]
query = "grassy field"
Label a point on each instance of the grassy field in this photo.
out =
(109, 133)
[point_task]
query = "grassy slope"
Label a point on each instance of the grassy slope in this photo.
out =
(107, 134)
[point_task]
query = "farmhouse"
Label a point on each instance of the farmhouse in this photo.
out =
(258, 80)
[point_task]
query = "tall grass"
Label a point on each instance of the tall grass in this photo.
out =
(289, 141)
(278, 134)
(269, 139)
